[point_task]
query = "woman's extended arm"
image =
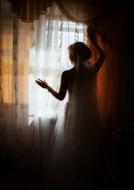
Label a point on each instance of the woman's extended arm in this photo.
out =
(62, 91)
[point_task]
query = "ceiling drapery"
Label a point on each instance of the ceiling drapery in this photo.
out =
(94, 12)
(79, 11)
(29, 10)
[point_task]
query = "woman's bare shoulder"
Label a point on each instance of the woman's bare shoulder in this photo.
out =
(68, 72)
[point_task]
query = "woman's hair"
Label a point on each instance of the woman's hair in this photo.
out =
(80, 51)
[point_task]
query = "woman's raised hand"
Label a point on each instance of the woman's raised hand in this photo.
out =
(92, 33)
(41, 83)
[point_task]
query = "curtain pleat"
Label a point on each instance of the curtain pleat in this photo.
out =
(28, 114)
(28, 10)
(78, 11)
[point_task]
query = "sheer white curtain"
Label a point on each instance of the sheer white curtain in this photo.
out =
(51, 34)
(28, 114)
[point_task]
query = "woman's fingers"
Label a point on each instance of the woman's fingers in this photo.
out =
(41, 83)
(39, 80)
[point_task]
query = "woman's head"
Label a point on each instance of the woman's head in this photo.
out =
(79, 52)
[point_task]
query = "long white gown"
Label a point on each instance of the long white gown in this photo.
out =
(75, 157)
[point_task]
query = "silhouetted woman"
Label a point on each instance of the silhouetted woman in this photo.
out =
(79, 55)
(76, 158)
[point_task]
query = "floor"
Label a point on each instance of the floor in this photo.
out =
(18, 176)
(22, 178)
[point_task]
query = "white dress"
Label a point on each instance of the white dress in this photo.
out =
(76, 155)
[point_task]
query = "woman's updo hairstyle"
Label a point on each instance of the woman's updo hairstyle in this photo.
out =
(79, 50)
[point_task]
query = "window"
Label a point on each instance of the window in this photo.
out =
(48, 59)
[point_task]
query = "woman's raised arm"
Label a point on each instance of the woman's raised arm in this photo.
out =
(100, 53)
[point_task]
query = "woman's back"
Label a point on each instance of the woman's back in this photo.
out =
(77, 150)
(82, 116)
(82, 82)
(76, 153)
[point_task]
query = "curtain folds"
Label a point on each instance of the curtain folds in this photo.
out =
(78, 11)
(29, 114)
(28, 10)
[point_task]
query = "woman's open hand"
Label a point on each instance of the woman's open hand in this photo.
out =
(41, 83)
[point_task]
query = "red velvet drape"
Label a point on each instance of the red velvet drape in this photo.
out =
(115, 78)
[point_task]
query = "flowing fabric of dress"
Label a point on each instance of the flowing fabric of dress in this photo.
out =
(75, 156)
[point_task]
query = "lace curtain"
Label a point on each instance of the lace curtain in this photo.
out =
(49, 58)
(29, 114)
